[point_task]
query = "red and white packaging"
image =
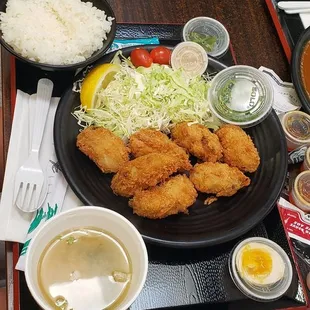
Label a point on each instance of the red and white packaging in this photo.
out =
(296, 224)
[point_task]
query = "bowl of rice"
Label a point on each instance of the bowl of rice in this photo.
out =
(57, 34)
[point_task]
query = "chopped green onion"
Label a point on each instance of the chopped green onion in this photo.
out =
(206, 41)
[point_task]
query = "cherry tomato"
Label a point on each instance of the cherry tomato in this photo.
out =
(141, 57)
(161, 55)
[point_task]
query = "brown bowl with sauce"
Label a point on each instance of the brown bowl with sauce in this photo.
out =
(300, 69)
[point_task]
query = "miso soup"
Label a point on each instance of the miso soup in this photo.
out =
(84, 269)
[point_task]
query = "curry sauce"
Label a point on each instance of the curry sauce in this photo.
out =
(305, 68)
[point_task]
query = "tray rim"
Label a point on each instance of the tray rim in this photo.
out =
(282, 36)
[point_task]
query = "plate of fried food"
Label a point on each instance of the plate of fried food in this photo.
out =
(147, 147)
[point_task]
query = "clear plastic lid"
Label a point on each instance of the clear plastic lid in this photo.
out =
(208, 32)
(191, 57)
(241, 95)
(260, 268)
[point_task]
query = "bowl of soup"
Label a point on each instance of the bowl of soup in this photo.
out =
(300, 69)
(86, 258)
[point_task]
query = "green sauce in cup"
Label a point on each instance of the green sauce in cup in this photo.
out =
(241, 95)
(206, 41)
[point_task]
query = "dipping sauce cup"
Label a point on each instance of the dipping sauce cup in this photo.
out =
(300, 193)
(306, 163)
(241, 95)
(209, 33)
(191, 57)
(296, 126)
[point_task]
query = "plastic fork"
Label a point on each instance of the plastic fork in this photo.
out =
(29, 178)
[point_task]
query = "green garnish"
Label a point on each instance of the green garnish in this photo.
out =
(246, 110)
(61, 303)
(206, 41)
(71, 240)
(225, 92)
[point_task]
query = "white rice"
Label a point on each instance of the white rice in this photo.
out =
(55, 32)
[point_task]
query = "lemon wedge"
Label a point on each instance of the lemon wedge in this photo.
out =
(96, 79)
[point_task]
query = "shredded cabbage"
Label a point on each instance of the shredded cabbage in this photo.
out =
(155, 97)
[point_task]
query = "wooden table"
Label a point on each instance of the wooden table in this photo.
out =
(248, 22)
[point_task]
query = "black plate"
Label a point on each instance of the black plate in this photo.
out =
(222, 221)
(296, 73)
(101, 5)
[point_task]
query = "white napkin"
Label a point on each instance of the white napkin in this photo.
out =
(285, 96)
(14, 224)
(305, 19)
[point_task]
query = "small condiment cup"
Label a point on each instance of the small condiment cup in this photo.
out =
(306, 163)
(300, 192)
(264, 293)
(190, 57)
(208, 26)
(241, 95)
(96, 217)
(296, 126)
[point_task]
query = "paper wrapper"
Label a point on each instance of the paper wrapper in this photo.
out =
(57, 187)
(297, 228)
(16, 225)
(285, 96)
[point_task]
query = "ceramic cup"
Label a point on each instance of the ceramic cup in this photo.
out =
(103, 219)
